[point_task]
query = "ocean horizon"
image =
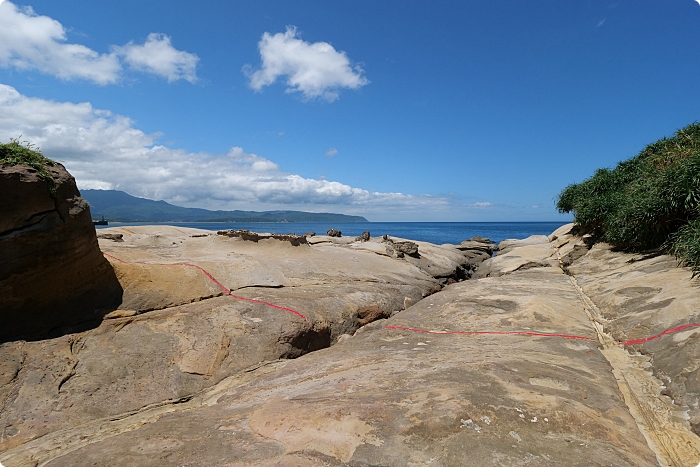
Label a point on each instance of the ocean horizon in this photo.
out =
(433, 232)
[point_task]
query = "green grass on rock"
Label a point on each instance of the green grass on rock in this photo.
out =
(25, 153)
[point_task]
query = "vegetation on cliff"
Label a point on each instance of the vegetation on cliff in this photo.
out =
(26, 153)
(649, 201)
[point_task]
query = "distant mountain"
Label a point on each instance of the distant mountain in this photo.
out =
(122, 207)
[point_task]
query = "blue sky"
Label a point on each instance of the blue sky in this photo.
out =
(395, 110)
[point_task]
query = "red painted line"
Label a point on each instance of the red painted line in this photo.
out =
(403, 328)
(113, 257)
(497, 333)
(215, 281)
(667, 331)
(543, 334)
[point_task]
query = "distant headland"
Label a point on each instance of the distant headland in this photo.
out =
(118, 206)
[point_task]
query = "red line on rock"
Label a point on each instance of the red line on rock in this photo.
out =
(404, 328)
(215, 281)
(543, 334)
(667, 331)
(113, 257)
(483, 333)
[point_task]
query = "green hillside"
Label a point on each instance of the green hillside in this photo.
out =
(118, 206)
(650, 201)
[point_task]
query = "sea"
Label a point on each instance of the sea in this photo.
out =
(433, 232)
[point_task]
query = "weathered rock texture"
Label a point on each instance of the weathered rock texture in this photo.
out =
(177, 332)
(295, 240)
(52, 273)
(528, 366)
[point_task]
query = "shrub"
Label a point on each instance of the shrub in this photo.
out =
(647, 202)
(25, 153)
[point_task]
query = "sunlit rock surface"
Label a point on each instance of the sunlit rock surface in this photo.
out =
(532, 364)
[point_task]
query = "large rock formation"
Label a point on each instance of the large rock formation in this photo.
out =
(52, 273)
(532, 364)
(196, 310)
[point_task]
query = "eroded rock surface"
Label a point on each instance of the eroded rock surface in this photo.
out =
(534, 363)
(52, 273)
(196, 309)
(395, 395)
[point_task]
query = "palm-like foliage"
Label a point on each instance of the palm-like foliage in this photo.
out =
(649, 201)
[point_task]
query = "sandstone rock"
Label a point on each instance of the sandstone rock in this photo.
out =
(406, 248)
(511, 369)
(641, 297)
(479, 239)
(478, 246)
(52, 273)
(368, 314)
(524, 254)
(364, 237)
(401, 248)
(334, 233)
(113, 237)
(293, 239)
(565, 229)
(391, 396)
(434, 289)
(577, 252)
(177, 332)
(507, 245)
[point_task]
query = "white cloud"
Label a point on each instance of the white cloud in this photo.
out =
(159, 57)
(482, 204)
(331, 152)
(32, 42)
(106, 151)
(316, 70)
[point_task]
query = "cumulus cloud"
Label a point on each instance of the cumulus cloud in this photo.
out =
(106, 151)
(159, 57)
(32, 42)
(316, 70)
(331, 152)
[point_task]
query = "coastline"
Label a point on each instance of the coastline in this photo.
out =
(433, 232)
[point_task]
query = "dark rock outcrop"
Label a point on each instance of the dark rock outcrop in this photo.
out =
(368, 314)
(111, 236)
(399, 249)
(364, 237)
(52, 272)
(295, 240)
(407, 248)
(334, 233)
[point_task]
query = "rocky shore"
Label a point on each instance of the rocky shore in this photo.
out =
(242, 349)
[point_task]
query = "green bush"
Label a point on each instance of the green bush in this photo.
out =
(647, 202)
(25, 153)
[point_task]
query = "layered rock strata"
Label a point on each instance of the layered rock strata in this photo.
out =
(541, 361)
(197, 309)
(52, 273)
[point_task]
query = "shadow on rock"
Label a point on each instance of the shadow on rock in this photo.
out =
(53, 276)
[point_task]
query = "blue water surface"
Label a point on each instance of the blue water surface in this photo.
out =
(433, 232)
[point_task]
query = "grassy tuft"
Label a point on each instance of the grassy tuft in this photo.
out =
(25, 153)
(649, 201)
